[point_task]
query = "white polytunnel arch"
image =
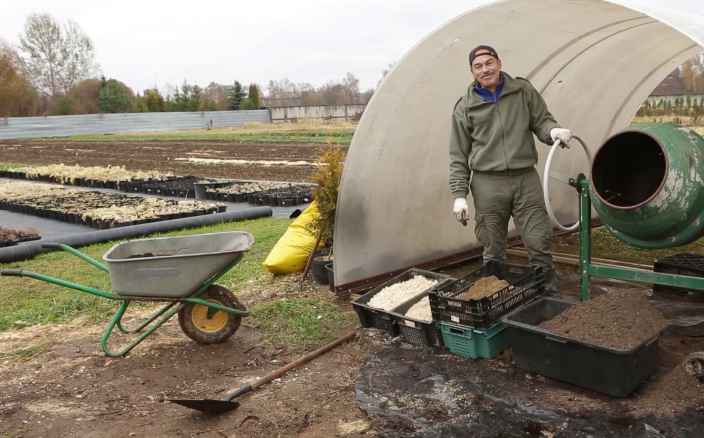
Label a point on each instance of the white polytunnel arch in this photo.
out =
(593, 61)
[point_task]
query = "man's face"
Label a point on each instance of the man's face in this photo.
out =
(486, 70)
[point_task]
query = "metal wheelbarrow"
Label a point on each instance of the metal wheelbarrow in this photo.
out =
(179, 270)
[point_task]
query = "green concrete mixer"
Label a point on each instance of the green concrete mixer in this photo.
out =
(647, 184)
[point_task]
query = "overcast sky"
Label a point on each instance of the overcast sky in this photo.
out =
(154, 42)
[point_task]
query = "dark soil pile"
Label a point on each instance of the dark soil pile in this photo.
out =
(620, 320)
(10, 236)
(484, 287)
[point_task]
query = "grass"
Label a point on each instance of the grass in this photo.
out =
(9, 166)
(670, 118)
(301, 321)
(29, 302)
(339, 133)
(605, 245)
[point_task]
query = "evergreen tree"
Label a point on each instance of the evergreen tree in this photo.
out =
(254, 96)
(114, 96)
(235, 96)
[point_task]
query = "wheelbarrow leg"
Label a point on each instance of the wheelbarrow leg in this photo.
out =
(146, 322)
(167, 312)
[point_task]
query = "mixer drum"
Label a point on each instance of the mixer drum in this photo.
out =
(648, 185)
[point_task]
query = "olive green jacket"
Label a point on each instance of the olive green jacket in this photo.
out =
(489, 136)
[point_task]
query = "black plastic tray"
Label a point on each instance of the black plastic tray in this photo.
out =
(613, 372)
(371, 317)
(416, 331)
(682, 264)
(525, 283)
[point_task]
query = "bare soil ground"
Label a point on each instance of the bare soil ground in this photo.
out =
(162, 156)
(56, 383)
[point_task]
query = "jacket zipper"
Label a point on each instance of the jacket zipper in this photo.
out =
(503, 134)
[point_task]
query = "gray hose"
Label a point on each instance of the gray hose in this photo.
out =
(29, 250)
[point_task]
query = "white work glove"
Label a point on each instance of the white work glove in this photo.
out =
(461, 210)
(562, 134)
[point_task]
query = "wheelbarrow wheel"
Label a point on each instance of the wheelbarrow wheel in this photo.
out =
(208, 326)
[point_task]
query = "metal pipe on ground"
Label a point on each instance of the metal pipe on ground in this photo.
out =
(573, 260)
(29, 250)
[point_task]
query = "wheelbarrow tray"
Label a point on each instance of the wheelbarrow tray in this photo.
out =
(172, 267)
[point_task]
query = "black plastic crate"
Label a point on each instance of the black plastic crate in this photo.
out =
(682, 264)
(613, 372)
(526, 283)
(416, 331)
(371, 317)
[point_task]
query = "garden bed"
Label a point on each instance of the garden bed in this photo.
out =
(165, 184)
(177, 186)
(263, 193)
(96, 209)
(108, 177)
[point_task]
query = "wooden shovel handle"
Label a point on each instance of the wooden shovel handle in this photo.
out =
(283, 370)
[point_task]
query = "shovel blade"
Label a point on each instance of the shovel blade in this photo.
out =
(208, 406)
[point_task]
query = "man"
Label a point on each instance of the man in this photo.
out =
(493, 154)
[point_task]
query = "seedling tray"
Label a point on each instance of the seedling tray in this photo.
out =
(682, 264)
(371, 317)
(525, 283)
(613, 372)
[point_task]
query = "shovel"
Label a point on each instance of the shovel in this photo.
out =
(227, 403)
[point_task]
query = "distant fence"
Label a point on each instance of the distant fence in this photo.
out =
(292, 113)
(61, 126)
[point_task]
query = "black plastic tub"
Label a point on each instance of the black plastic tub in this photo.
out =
(614, 372)
(317, 269)
(371, 317)
(416, 331)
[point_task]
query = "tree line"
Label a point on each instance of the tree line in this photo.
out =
(689, 106)
(53, 71)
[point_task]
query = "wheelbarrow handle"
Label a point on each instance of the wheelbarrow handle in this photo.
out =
(12, 272)
(71, 250)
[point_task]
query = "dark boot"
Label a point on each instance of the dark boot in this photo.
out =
(493, 267)
(552, 282)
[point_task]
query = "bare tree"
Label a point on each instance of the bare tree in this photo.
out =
(78, 54)
(215, 93)
(57, 57)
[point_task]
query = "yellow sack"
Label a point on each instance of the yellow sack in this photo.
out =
(293, 248)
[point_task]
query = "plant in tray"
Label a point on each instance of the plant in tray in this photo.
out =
(89, 207)
(75, 174)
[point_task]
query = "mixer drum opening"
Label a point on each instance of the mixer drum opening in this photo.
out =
(629, 170)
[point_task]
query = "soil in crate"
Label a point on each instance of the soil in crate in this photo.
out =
(620, 320)
(484, 287)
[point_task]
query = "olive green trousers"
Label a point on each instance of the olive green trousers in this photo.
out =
(498, 196)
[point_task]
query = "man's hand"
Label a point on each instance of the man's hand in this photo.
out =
(461, 210)
(562, 134)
